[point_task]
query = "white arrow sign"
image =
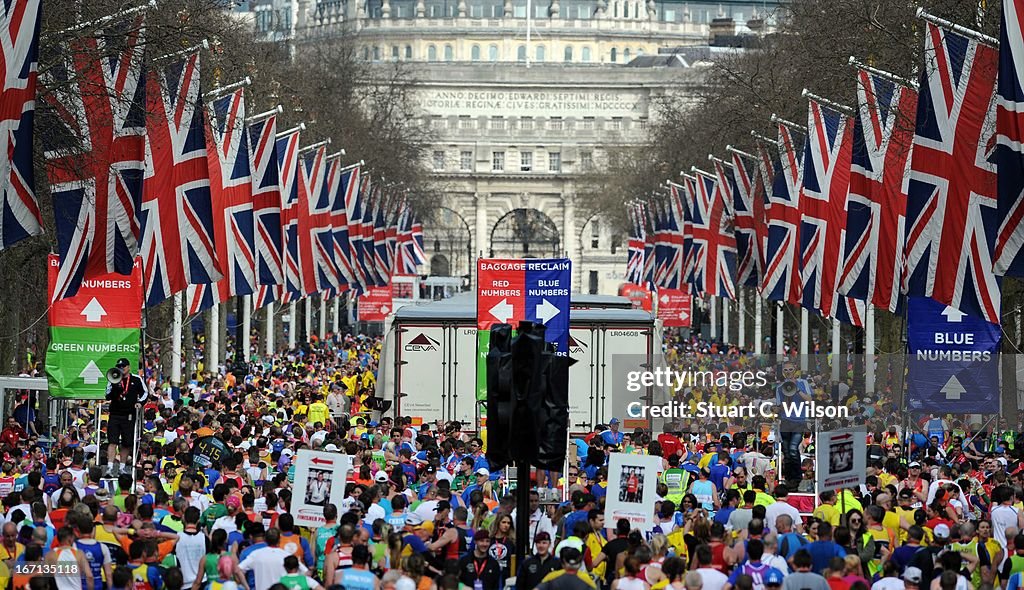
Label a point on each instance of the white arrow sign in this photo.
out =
(953, 315)
(93, 311)
(546, 310)
(683, 315)
(384, 310)
(502, 311)
(664, 298)
(953, 389)
(91, 373)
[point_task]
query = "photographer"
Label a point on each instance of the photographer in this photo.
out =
(126, 397)
(792, 423)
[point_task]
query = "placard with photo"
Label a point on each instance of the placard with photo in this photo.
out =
(632, 489)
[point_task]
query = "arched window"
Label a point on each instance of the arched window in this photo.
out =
(408, 52)
(492, 53)
(615, 55)
(521, 53)
(376, 53)
(431, 53)
(625, 55)
(366, 53)
(475, 53)
(639, 52)
(568, 53)
(449, 53)
(586, 54)
(540, 53)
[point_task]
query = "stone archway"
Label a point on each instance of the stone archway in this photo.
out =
(440, 266)
(525, 233)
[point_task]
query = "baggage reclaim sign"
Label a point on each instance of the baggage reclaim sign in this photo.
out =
(953, 364)
(510, 291)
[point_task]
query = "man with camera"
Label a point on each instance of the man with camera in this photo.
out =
(792, 423)
(126, 394)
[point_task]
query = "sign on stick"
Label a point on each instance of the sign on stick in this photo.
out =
(319, 480)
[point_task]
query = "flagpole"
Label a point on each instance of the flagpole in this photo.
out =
(804, 319)
(269, 344)
(853, 61)
(245, 347)
(725, 320)
(836, 353)
(323, 316)
(105, 19)
(869, 350)
(335, 155)
(780, 322)
(264, 115)
(758, 310)
(218, 92)
(829, 103)
(293, 324)
(741, 341)
(314, 146)
(337, 320)
(213, 358)
(713, 316)
(287, 132)
(941, 22)
(204, 45)
(797, 126)
(176, 343)
(309, 317)
(764, 138)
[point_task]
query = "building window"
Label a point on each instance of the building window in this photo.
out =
(586, 55)
(555, 161)
(525, 161)
(498, 162)
(595, 234)
(431, 53)
(587, 123)
(376, 53)
(466, 161)
(366, 54)
(438, 122)
(465, 122)
(586, 160)
(616, 242)
(592, 282)
(540, 53)
(521, 53)
(394, 52)
(526, 123)
(438, 160)
(555, 124)
(492, 53)
(615, 124)
(449, 53)
(408, 52)
(615, 55)
(475, 53)
(643, 123)
(625, 55)
(568, 53)
(496, 123)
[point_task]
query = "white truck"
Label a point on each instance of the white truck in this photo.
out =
(429, 365)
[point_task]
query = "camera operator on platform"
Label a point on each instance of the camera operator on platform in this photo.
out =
(126, 395)
(793, 397)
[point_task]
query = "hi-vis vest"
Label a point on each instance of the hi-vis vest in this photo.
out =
(676, 480)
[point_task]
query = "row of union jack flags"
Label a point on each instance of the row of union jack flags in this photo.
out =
(917, 190)
(217, 202)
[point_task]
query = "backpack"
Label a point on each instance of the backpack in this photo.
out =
(784, 544)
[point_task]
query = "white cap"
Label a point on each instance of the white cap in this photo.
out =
(331, 448)
(381, 477)
(483, 471)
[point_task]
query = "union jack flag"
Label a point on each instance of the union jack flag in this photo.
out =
(380, 240)
(674, 238)
(288, 173)
(347, 179)
(826, 182)
(417, 241)
(316, 234)
(882, 139)
(635, 247)
(391, 234)
(266, 201)
(661, 245)
(19, 210)
(765, 177)
(1010, 153)
(354, 207)
(782, 213)
(96, 153)
(951, 198)
(714, 244)
(369, 239)
(650, 262)
(228, 156)
(177, 215)
(688, 197)
(749, 257)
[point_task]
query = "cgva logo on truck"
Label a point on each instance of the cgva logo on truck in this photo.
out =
(422, 343)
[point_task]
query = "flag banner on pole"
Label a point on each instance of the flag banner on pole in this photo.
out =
(316, 234)
(826, 182)
(340, 182)
(1009, 150)
(782, 247)
(19, 209)
(688, 196)
(952, 216)
(660, 243)
(288, 174)
(417, 240)
(714, 244)
(765, 169)
(96, 153)
(674, 238)
(882, 140)
(380, 245)
(635, 248)
(650, 262)
(354, 207)
(266, 201)
(749, 259)
(177, 215)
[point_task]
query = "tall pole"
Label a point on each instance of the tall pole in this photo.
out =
(213, 356)
(869, 350)
(529, 23)
(712, 316)
(245, 346)
(323, 316)
(837, 360)
(176, 344)
(758, 309)
(780, 323)
(293, 324)
(309, 318)
(741, 294)
(337, 311)
(269, 344)
(725, 320)
(803, 339)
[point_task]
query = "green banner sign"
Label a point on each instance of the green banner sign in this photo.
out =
(78, 358)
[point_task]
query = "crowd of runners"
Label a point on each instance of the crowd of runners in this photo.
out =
(941, 508)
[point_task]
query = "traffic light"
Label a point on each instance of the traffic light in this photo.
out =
(499, 397)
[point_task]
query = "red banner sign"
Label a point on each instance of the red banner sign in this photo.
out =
(674, 308)
(375, 304)
(109, 301)
(638, 294)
